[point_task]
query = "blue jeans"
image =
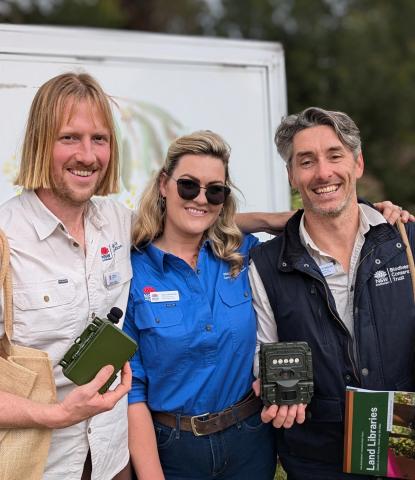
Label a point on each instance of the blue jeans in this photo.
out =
(245, 451)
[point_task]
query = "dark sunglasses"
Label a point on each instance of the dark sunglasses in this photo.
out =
(189, 189)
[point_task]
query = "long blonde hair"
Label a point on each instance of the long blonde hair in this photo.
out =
(45, 119)
(224, 235)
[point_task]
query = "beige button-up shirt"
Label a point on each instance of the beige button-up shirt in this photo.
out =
(57, 291)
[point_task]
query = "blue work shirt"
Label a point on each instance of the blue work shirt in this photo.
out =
(196, 342)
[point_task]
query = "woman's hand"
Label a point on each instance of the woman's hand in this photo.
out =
(392, 212)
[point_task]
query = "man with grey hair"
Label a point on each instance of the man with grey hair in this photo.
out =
(331, 280)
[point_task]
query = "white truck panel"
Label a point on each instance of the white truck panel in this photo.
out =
(164, 86)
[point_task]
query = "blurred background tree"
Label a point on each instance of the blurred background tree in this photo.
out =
(352, 55)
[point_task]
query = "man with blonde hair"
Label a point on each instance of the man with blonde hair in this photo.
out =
(70, 260)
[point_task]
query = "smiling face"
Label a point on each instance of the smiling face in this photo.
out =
(80, 156)
(324, 171)
(191, 218)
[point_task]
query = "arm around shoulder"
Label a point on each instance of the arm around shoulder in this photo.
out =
(254, 222)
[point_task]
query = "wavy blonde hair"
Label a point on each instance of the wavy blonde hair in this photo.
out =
(45, 119)
(224, 235)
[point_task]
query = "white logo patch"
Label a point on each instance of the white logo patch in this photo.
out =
(228, 276)
(391, 275)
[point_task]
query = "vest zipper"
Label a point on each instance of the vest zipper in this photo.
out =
(351, 355)
(350, 340)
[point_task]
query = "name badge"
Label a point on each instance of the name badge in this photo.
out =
(328, 269)
(167, 296)
(112, 278)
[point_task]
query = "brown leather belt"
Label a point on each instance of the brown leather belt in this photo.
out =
(209, 423)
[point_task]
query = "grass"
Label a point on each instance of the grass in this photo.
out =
(280, 474)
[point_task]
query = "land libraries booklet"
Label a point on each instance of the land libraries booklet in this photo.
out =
(379, 436)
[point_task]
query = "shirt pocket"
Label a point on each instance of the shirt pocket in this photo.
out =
(237, 309)
(164, 341)
(44, 315)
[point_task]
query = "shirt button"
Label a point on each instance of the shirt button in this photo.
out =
(198, 271)
(93, 315)
(208, 328)
(365, 372)
(46, 298)
(246, 294)
(377, 261)
(157, 320)
(89, 430)
(75, 244)
(348, 378)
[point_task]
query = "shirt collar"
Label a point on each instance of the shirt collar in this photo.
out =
(368, 217)
(156, 256)
(95, 215)
(159, 257)
(45, 222)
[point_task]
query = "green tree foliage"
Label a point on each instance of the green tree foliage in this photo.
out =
(86, 13)
(357, 56)
(352, 55)
(178, 16)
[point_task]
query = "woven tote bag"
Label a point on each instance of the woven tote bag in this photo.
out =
(26, 372)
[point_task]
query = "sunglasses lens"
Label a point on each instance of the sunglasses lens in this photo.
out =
(187, 189)
(216, 194)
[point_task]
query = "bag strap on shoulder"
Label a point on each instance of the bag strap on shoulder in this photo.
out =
(404, 235)
(6, 283)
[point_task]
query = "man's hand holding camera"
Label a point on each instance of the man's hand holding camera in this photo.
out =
(281, 415)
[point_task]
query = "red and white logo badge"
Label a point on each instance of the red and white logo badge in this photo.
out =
(147, 291)
(106, 254)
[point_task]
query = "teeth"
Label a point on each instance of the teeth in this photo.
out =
(82, 173)
(327, 189)
(194, 211)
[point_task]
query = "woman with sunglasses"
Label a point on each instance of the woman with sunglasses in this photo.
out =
(190, 311)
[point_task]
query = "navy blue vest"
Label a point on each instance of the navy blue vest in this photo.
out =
(305, 310)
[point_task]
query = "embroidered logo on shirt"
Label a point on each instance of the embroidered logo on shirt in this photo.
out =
(147, 291)
(115, 246)
(228, 276)
(390, 275)
(106, 254)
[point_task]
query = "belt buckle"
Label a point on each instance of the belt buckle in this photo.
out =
(192, 424)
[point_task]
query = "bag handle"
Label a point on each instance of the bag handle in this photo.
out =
(411, 263)
(6, 282)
